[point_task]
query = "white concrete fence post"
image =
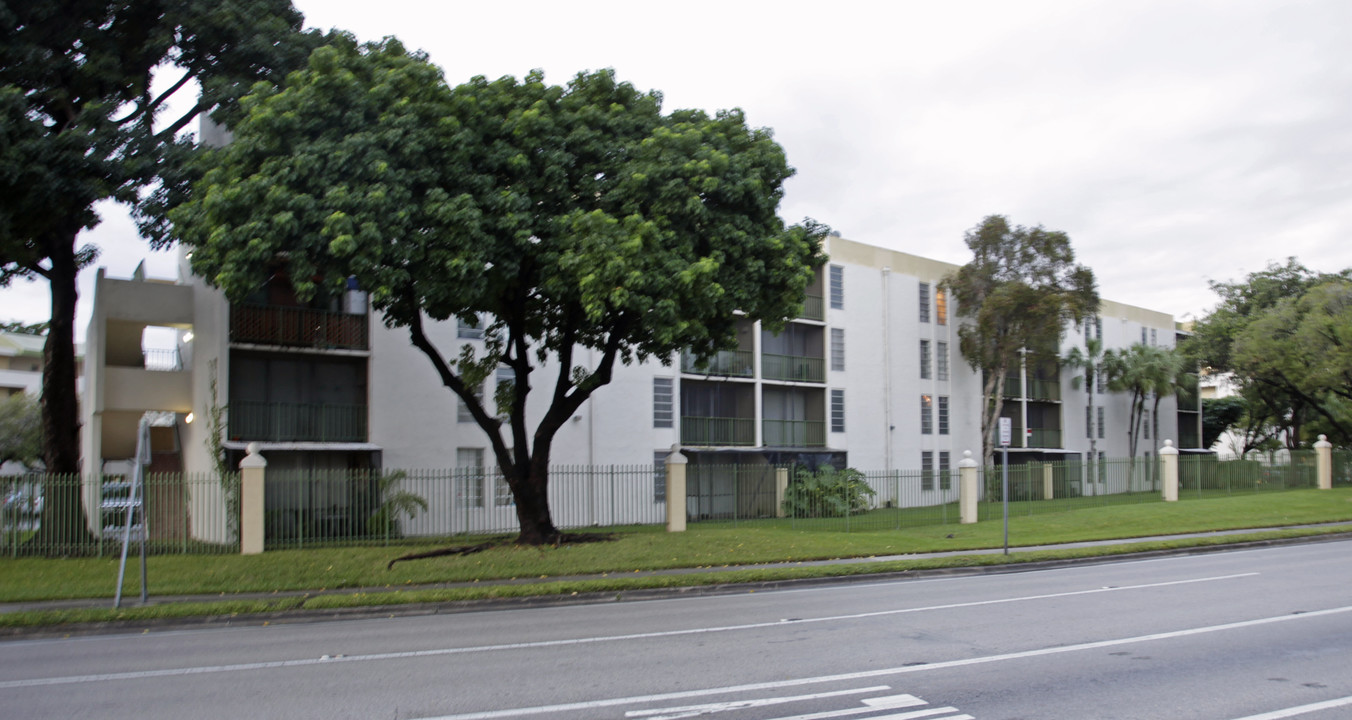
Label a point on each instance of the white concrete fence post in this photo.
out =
(676, 490)
(968, 492)
(1169, 458)
(252, 471)
(1048, 490)
(781, 490)
(1323, 458)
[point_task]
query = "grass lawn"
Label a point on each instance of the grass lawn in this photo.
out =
(634, 549)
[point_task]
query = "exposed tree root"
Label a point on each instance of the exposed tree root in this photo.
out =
(556, 541)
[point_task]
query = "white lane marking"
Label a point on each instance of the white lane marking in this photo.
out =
(411, 654)
(692, 710)
(1303, 709)
(869, 674)
(929, 712)
(911, 716)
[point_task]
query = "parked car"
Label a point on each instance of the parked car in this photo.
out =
(24, 501)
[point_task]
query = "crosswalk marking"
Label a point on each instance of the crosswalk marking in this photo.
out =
(670, 713)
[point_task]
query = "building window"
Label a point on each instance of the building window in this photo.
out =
(1145, 423)
(1098, 328)
(1099, 381)
(462, 413)
(838, 349)
(924, 302)
(1142, 336)
(924, 359)
(926, 469)
(945, 471)
(926, 415)
(662, 402)
(943, 414)
(940, 306)
(660, 475)
(837, 410)
(941, 360)
(469, 477)
(1153, 337)
(502, 394)
(837, 287)
(469, 330)
(1088, 423)
(1100, 422)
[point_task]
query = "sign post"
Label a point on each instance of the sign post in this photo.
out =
(1006, 434)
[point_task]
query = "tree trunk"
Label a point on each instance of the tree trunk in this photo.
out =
(64, 529)
(532, 508)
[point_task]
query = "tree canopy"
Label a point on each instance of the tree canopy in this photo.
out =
(1283, 333)
(80, 123)
(559, 217)
(1016, 295)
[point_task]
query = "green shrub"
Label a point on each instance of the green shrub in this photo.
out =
(827, 492)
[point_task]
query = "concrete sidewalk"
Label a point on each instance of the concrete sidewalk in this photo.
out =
(133, 599)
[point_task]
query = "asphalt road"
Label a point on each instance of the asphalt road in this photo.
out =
(1252, 635)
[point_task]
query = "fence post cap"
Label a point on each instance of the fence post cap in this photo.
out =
(1323, 442)
(676, 458)
(966, 461)
(254, 459)
(1168, 448)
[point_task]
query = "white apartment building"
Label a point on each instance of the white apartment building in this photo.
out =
(870, 377)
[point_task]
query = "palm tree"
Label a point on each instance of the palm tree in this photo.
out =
(1148, 373)
(1089, 362)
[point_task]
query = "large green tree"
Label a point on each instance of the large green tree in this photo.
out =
(560, 218)
(1281, 340)
(1302, 348)
(1017, 294)
(79, 123)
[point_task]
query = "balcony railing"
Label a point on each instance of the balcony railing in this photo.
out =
(1044, 438)
(1044, 390)
(294, 422)
(794, 433)
(297, 327)
(731, 363)
(717, 431)
(793, 367)
(813, 308)
(1013, 387)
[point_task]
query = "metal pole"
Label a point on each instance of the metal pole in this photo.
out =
(1004, 487)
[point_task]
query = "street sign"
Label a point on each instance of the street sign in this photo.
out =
(1006, 431)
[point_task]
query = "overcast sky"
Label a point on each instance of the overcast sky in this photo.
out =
(1176, 142)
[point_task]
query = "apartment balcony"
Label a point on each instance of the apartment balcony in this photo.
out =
(718, 431)
(297, 422)
(1044, 438)
(297, 327)
(1187, 434)
(1013, 387)
(793, 368)
(728, 363)
(813, 308)
(1044, 390)
(794, 433)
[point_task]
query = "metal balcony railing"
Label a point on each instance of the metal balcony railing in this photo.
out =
(731, 363)
(793, 367)
(813, 308)
(297, 327)
(1044, 390)
(1044, 438)
(697, 430)
(794, 433)
(296, 422)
